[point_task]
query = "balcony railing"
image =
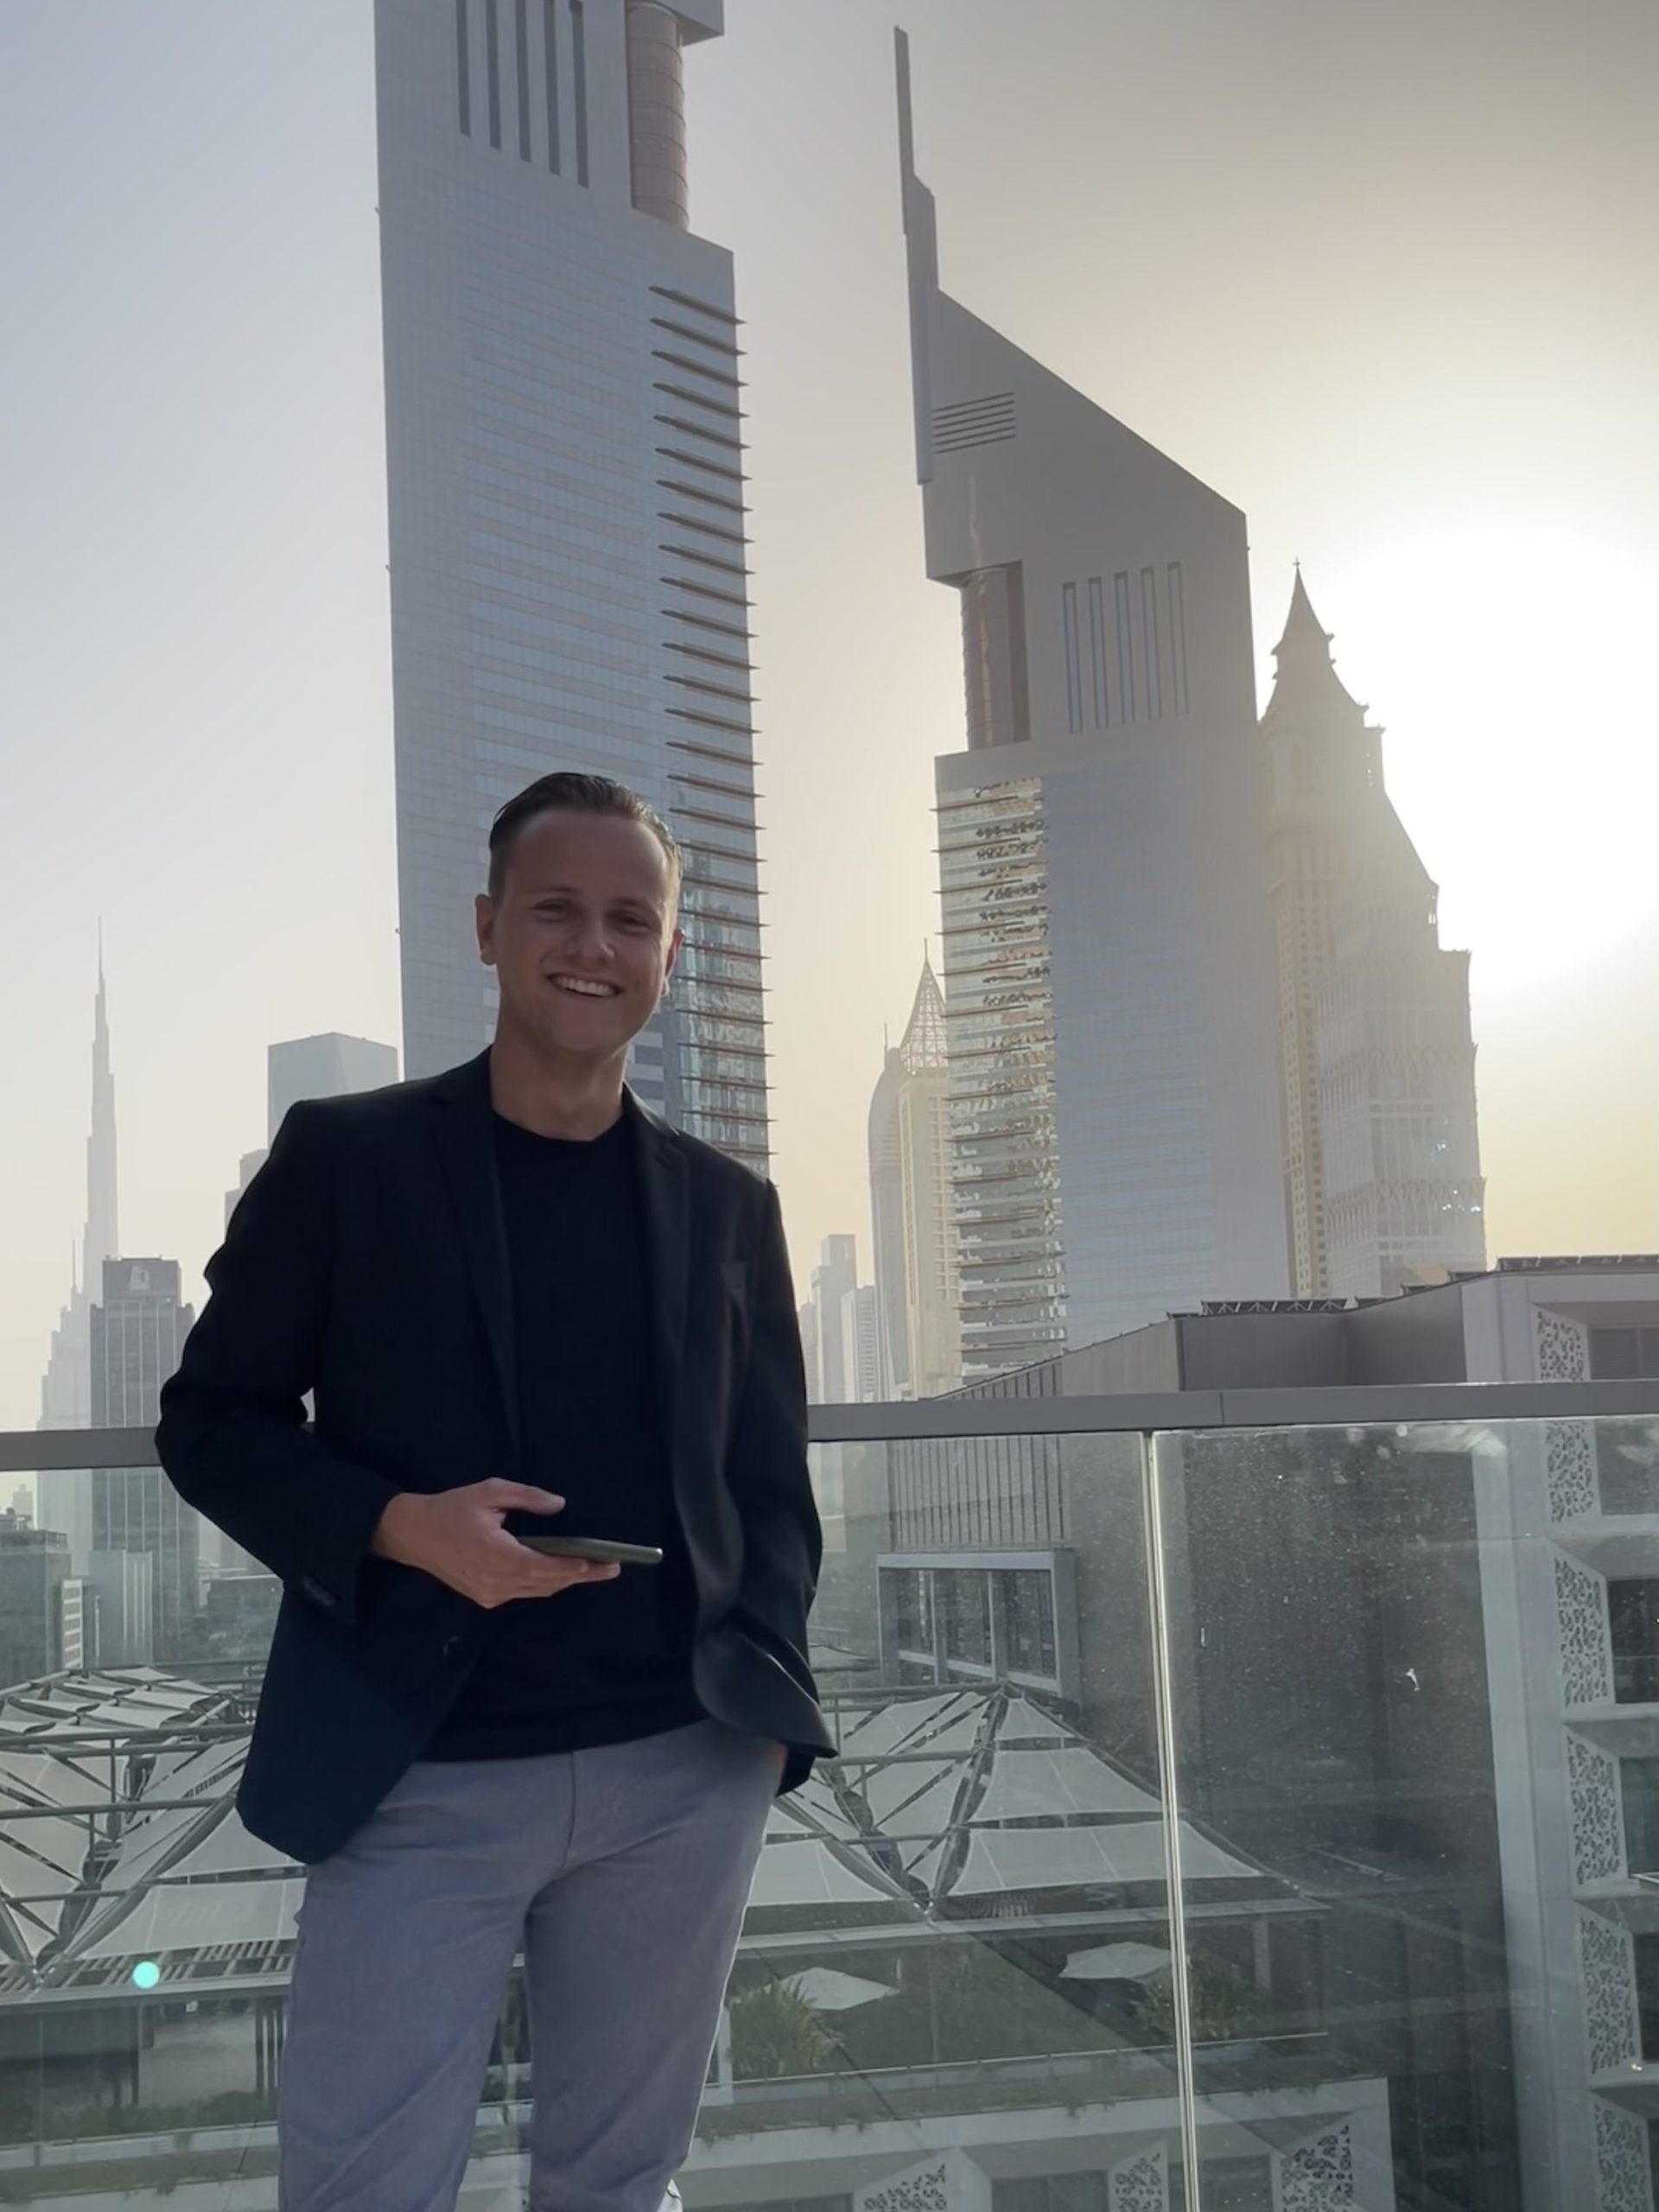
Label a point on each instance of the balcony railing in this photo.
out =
(1243, 1799)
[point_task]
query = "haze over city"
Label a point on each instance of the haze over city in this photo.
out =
(1384, 280)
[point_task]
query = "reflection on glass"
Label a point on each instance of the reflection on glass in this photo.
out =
(1401, 1709)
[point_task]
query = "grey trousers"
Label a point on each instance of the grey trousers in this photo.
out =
(624, 1872)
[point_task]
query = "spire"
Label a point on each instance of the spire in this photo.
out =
(102, 1237)
(1304, 631)
(1307, 676)
(924, 1045)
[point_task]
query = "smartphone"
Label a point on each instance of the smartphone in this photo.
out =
(599, 1549)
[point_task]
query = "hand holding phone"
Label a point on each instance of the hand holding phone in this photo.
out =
(458, 1537)
(599, 1551)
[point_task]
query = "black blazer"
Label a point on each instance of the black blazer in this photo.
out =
(366, 1263)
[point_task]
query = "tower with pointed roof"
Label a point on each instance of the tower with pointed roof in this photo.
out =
(1382, 1162)
(66, 1390)
(912, 1234)
(64, 1495)
(1107, 947)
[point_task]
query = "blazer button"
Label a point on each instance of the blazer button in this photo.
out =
(452, 1647)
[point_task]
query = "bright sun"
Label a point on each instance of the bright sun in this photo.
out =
(1514, 673)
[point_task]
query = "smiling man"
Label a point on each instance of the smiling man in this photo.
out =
(525, 1307)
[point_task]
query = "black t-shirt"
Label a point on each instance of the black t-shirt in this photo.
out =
(612, 1663)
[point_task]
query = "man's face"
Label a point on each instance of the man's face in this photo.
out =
(583, 937)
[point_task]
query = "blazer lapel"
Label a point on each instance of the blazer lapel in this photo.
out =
(466, 1146)
(666, 1199)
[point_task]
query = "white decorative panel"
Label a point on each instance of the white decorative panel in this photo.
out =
(1586, 1643)
(1141, 2183)
(1563, 1347)
(1623, 2183)
(924, 2189)
(1610, 2013)
(1592, 1782)
(1570, 1469)
(945, 2181)
(1318, 2175)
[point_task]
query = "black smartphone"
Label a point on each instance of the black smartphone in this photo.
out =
(599, 1549)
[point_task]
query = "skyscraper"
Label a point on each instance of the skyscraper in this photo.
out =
(65, 1494)
(1383, 1182)
(861, 1347)
(34, 1568)
(569, 575)
(65, 1391)
(1108, 953)
(887, 1226)
(910, 1206)
(835, 1274)
(137, 1334)
(327, 1066)
(807, 1319)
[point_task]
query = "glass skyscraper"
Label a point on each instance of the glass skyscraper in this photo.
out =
(564, 424)
(1108, 968)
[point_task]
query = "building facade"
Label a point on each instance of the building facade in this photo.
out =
(64, 1495)
(1481, 1734)
(887, 1225)
(1383, 1182)
(910, 1205)
(830, 1379)
(327, 1066)
(137, 1336)
(1108, 948)
(861, 1342)
(931, 1291)
(569, 567)
(33, 1571)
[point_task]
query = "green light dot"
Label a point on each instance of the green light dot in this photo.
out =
(147, 1975)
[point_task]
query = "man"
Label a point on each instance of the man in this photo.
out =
(524, 1305)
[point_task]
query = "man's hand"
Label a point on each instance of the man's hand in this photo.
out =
(457, 1537)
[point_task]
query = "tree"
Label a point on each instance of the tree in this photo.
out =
(1222, 2002)
(776, 2031)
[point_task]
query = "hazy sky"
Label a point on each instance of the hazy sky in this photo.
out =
(1384, 275)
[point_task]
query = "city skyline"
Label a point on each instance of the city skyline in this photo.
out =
(1342, 461)
(1238, 1782)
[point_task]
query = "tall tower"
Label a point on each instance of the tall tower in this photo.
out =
(910, 1205)
(564, 431)
(1109, 961)
(931, 1294)
(66, 1390)
(887, 1226)
(835, 1276)
(138, 1328)
(1382, 1176)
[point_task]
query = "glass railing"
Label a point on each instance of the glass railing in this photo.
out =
(1255, 1807)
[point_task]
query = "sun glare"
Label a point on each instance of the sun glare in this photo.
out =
(1513, 672)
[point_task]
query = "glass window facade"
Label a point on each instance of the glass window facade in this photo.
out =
(1633, 1622)
(1068, 1761)
(556, 547)
(999, 1015)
